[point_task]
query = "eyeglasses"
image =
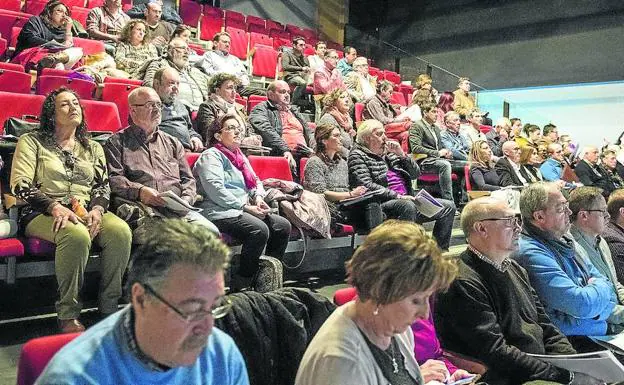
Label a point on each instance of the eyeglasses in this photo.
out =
(150, 105)
(218, 310)
(604, 212)
(231, 128)
(562, 208)
(512, 222)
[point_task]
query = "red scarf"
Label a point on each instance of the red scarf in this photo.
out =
(344, 120)
(238, 160)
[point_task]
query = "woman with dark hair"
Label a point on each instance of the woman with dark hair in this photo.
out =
(326, 172)
(530, 161)
(234, 199)
(530, 136)
(445, 104)
(184, 32)
(336, 105)
(46, 40)
(134, 48)
(222, 100)
(61, 174)
(483, 175)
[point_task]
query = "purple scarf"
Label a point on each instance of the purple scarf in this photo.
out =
(238, 160)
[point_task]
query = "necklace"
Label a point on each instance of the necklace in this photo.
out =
(395, 365)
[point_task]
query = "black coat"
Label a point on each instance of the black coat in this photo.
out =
(595, 176)
(506, 173)
(266, 122)
(272, 330)
(35, 33)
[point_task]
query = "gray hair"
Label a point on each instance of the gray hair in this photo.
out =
(171, 242)
(534, 197)
(360, 60)
(365, 130)
(450, 115)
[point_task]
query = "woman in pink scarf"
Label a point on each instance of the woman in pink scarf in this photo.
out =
(336, 113)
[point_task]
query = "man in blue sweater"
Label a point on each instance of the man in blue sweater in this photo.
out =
(578, 299)
(166, 335)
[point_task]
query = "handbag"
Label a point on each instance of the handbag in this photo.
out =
(16, 127)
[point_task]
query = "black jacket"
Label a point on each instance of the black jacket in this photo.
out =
(496, 317)
(495, 143)
(369, 170)
(293, 63)
(272, 330)
(265, 120)
(506, 173)
(168, 14)
(595, 176)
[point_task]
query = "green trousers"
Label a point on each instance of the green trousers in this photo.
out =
(72, 252)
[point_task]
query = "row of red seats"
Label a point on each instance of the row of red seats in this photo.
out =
(34, 7)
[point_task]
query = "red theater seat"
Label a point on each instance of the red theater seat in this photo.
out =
(191, 158)
(83, 88)
(373, 71)
(259, 38)
(255, 20)
(190, 11)
(254, 100)
(94, 3)
(235, 20)
(11, 5)
(80, 15)
(359, 109)
(12, 67)
(11, 247)
(342, 296)
(272, 24)
(271, 167)
(34, 7)
(398, 98)
(9, 20)
(209, 26)
(101, 116)
(3, 46)
(239, 41)
(19, 105)
(118, 94)
(36, 354)
(14, 81)
(132, 82)
(264, 62)
(392, 76)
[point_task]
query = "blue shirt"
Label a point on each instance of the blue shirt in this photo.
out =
(344, 67)
(457, 143)
(102, 355)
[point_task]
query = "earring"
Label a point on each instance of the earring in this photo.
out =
(376, 311)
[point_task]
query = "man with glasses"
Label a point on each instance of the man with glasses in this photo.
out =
(144, 163)
(296, 68)
(166, 335)
(360, 84)
(327, 78)
(591, 173)
(552, 168)
(490, 312)
(578, 299)
(508, 167)
(589, 220)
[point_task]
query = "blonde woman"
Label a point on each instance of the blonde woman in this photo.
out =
(483, 176)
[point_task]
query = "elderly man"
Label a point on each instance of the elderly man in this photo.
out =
(498, 136)
(452, 139)
(327, 78)
(508, 167)
(425, 138)
(219, 60)
(472, 131)
(552, 168)
(379, 108)
(193, 89)
(281, 126)
(463, 102)
(296, 68)
(345, 65)
(105, 23)
(577, 298)
(381, 165)
(144, 163)
(490, 312)
(360, 84)
(175, 119)
(160, 30)
(613, 233)
(589, 219)
(166, 335)
(590, 173)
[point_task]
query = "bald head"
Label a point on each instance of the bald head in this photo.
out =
(512, 151)
(167, 84)
(591, 154)
(278, 92)
(145, 108)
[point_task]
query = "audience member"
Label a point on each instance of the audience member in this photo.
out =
(381, 165)
(508, 167)
(531, 134)
(530, 161)
(53, 27)
(379, 108)
(577, 298)
(296, 68)
(614, 231)
(327, 77)
(368, 340)
(160, 30)
(452, 139)
(361, 85)
(220, 60)
(143, 163)
(326, 172)
(167, 333)
(424, 82)
(281, 126)
(61, 175)
(516, 128)
(550, 133)
(134, 49)
(472, 131)
(425, 138)
(222, 100)
(502, 319)
(463, 102)
(483, 175)
(445, 104)
(336, 113)
(318, 59)
(609, 162)
(234, 200)
(184, 32)
(193, 82)
(175, 119)
(590, 173)
(345, 65)
(552, 168)
(499, 135)
(106, 22)
(589, 218)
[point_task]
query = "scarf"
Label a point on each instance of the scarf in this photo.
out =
(238, 160)
(343, 120)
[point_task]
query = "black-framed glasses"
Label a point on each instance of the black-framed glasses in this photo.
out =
(512, 222)
(218, 310)
(150, 105)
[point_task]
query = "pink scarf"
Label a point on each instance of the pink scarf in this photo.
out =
(238, 160)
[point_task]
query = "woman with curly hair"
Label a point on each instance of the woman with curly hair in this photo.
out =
(336, 113)
(483, 175)
(134, 48)
(222, 100)
(61, 174)
(46, 40)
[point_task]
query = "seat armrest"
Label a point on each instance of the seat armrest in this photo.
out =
(467, 363)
